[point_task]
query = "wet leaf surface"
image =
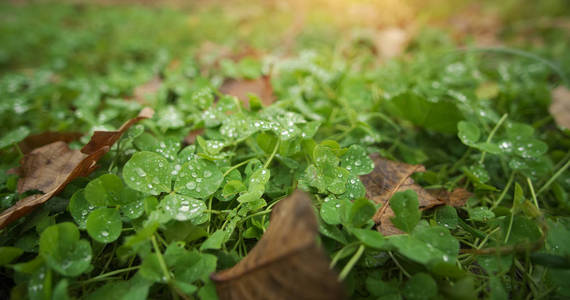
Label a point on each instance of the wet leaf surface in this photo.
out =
(286, 263)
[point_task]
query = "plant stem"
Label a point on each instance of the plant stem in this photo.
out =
(553, 178)
(238, 165)
(490, 137)
(353, 260)
(272, 155)
(109, 274)
(398, 265)
(505, 190)
(532, 192)
(161, 261)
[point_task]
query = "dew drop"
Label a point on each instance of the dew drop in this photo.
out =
(140, 172)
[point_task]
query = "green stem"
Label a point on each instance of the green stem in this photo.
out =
(532, 192)
(510, 227)
(493, 131)
(553, 178)
(161, 261)
(398, 265)
(353, 260)
(109, 274)
(238, 165)
(505, 190)
(272, 155)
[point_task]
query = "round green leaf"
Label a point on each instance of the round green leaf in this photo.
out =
(356, 161)
(447, 217)
(468, 132)
(198, 178)
(529, 148)
(354, 188)
(406, 208)
(8, 254)
(63, 251)
(183, 208)
(336, 179)
(370, 238)
(104, 225)
(148, 172)
(361, 212)
(331, 210)
(420, 286)
(104, 190)
(80, 208)
(134, 209)
(14, 137)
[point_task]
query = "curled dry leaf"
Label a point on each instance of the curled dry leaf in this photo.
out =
(48, 169)
(150, 87)
(287, 263)
(51, 167)
(240, 88)
(37, 140)
(190, 138)
(456, 198)
(560, 106)
(108, 138)
(387, 178)
(391, 42)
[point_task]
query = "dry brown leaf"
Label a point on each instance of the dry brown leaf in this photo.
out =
(387, 178)
(48, 169)
(37, 140)
(560, 106)
(108, 138)
(474, 21)
(286, 263)
(456, 198)
(391, 42)
(240, 88)
(150, 87)
(51, 167)
(190, 138)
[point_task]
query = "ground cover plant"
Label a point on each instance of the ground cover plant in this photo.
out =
(242, 151)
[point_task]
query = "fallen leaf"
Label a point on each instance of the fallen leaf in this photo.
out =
(387, 178)
(37, 140)
(240, 88)
(474, 21)
(287, 263)
(51, 167)
(560, 106)
(190, 138)
(150, 87)
(456, 198)
(391, 42)
(48, 169)
(108, 138)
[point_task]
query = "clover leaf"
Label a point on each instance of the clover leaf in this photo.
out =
(14, 136)
(80, 208)
(406, 208)
(182, 208)
(104, 224)
(198, 178)
(104, 190)
(148, 172)
(63, 251)
(356, 161)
